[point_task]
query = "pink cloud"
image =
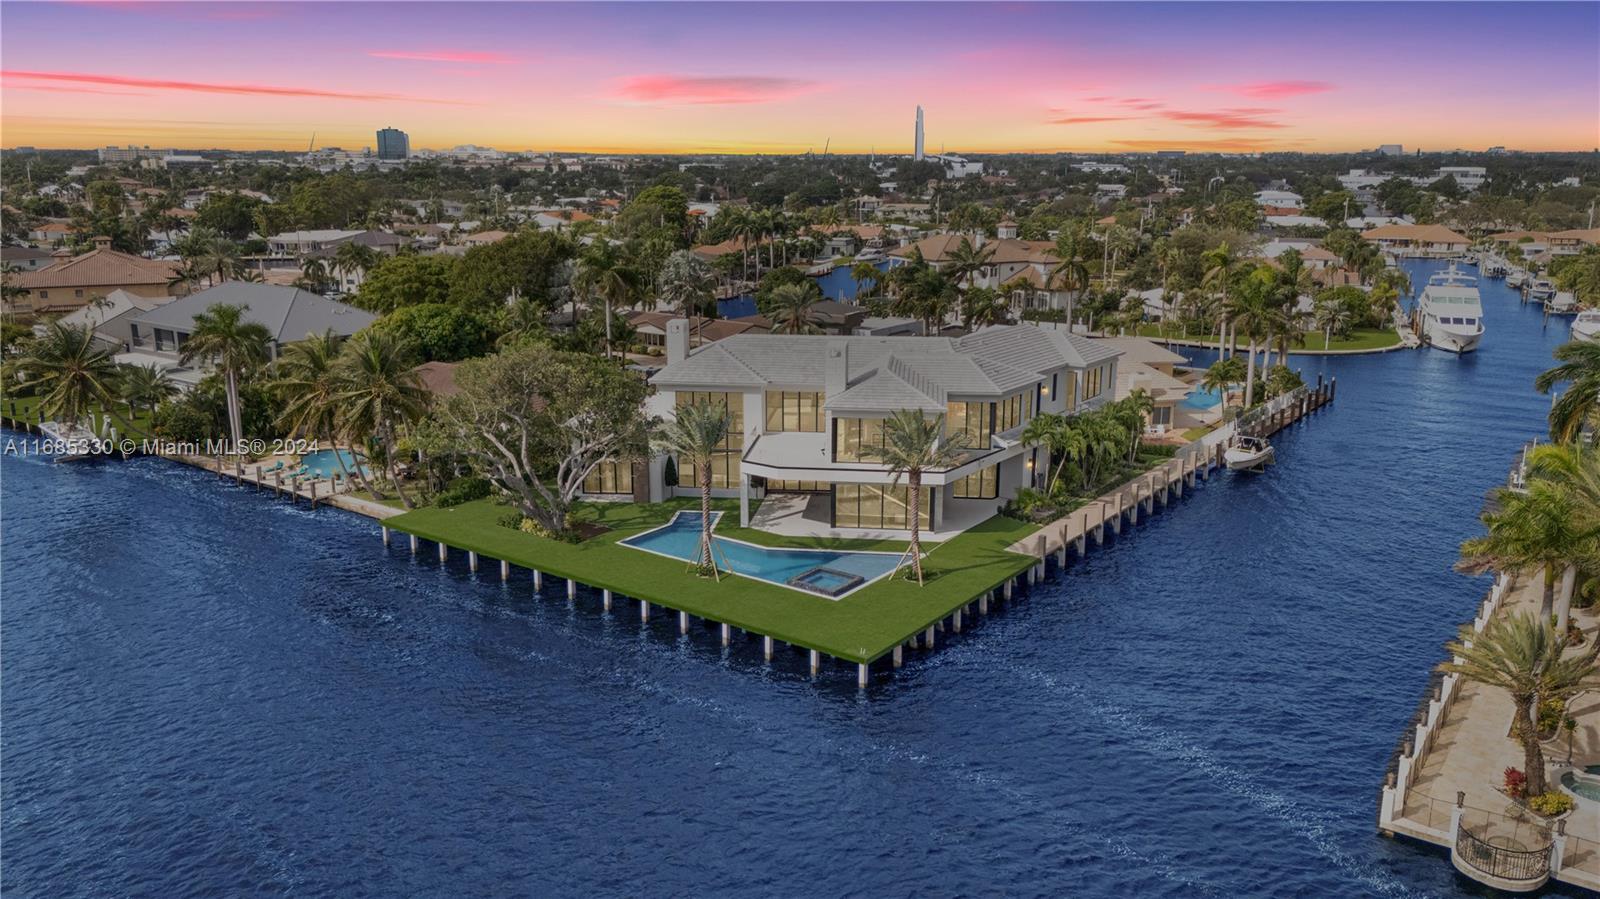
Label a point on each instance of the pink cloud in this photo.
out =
(76, 90)
(204, 87)
(1086, 119)
(1277, 90)
(1229, 145)
(1226, 119)
(466, 56)
(713, 90)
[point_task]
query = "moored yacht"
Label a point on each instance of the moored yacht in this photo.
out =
(1542, 290)
(1517, 279)
(1450, 312)
(1563, 303)
(1587, 325)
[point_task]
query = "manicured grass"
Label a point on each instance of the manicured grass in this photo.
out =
(25, 409)
(1359, 339)
(859, 628)
(1203, 430)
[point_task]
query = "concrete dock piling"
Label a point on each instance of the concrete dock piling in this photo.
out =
(862, 671)
(683, 623)
(766, 648)
(385, 535)
(572, 589)
(605, 600)
(505, 570)
(899, 655)
(816, 662)
(472, 561)
(413, 544)
(444, 552)
(644, 611)
(727, 633)
(538, 580)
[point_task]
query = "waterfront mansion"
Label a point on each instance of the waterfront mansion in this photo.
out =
(808, 410)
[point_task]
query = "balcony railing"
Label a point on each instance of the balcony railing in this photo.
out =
(1511, 851)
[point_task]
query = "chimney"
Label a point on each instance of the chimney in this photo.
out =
(836, 369)
(677, 340)
(102, 243)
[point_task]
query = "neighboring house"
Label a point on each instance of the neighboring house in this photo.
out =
(111, 317)
(52, 233)
(26, 259)
(291, 247)
(156, 337)
(557, 219)
(1286, 200)
(1148, 366)
(484, 238)
(809, 410)
(439, 377)
(650, 329)
(1558, 243)
(1418, 240)
(1025, 265)
(73, 282)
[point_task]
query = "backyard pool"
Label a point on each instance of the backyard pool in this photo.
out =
(830, 573)
(1202, 398)
(325, 463)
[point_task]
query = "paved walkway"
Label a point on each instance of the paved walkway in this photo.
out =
(1474, 747)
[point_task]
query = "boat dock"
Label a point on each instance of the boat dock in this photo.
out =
(1441, 784)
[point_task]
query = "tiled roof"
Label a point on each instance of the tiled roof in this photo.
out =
(1428, 233)
(288, 312)
(97, 268)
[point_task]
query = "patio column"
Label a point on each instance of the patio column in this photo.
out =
(744, 500)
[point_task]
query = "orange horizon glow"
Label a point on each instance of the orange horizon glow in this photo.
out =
(784, 79)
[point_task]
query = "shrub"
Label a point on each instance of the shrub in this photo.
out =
(512, 520)
(462, 490)
(1552, 712)
(1516, 783)
(1551, 804)
(529, 526)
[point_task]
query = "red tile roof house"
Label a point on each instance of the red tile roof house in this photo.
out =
(76, 281)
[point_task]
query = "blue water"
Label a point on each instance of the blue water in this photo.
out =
(1202, 398)
(680, 538)
(209, 693)
(835, 285)
(325, 463)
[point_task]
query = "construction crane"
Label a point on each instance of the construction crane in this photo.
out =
(825, 146)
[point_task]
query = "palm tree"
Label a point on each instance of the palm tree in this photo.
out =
(217, 259)
(1522, 655)
(603, 274)
(794, 309)
(966, 262)
(688, 284)
(1221, 375)
(71, 372)
(695, 435)
(1574, 471)
(223, 337)
(1331, 316)
(1133, 413)
(313, 275)
(1251, 310)
(379, 391)
(1577, 406)
(867, 276)
(981, 307)
(1061, 437)
(1537, 529)
(1221, 268)
(309, 385)
(145, 385)
(913, 444)
(352, 258)
(1072, 271)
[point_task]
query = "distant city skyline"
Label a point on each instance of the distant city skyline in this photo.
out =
(782, 78)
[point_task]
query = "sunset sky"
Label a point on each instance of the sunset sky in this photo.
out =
(751, 78)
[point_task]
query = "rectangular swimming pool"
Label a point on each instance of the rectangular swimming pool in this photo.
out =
(820, 572)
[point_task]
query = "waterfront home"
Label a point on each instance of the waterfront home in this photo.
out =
(1556, 243)
(1417, 240)
(808, 412)
(650, 329)
(1148, 366)
(74, 282)
(111, 318)
(1022, 268)
(157, 336)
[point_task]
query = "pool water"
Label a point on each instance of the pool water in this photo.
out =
(1584, 788)
(680, 539)
(325, 463)
(1202, 398)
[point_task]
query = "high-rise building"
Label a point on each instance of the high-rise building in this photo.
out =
(918, 151)
(1391, 150)
(393, 144)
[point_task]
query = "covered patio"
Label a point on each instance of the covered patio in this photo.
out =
(807, 515)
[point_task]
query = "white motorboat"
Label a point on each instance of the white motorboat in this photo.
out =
(1563, 303)
(1517, 279)
(1249, 454)
(1542, 290)
(1450, 312)
(1587, 325)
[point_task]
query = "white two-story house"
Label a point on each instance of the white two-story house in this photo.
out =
(808, 412)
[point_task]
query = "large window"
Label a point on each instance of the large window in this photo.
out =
(1094, 382)
(776, 486)
(1071, 395)
(725, 462)
(789, 410)
(610, 477)
(975, 421)
(1010, 413)
(856, 439)
(878, 506)
(983, 484)
(165, 341)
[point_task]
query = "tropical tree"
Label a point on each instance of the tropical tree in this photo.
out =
(688, 285)
(1537, 529)
(309, 385)
(1133, 413)
(1222, 375)
(603, 274)
(1332, 316)
(1523, 654)
(982, 307)
(223, 337)
(966, 262)
(379, 392)
(1576, 408)
(913, 444)
(1251, 310)
(1071, 272)
(694, 436)
(1221, 269)
(352, 258)
(867, 277)
(1573, 470)
(794, 309)
(1060, 435)
(1282, 379)
(144, 386)
(70, 371)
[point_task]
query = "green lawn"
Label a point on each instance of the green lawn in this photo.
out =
(858, 628)
(1359, 339)
(24, 408)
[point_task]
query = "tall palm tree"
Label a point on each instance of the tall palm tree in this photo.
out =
(1331, 316)
(1071, 273)
(867, 277)
(695, 435)
(914, 443)
(1221, 267)
(966, 262)
(1250, 310)
(1578, 406)
(70, 371)
(1222, 375)
(688, 285)
(379, 392)
(308, 385)
(1536, 530)
(981, 307)
(217, 259)
(794, 309)
(223, 337)
(1523, 655)
(352, 258)
(603, 274)
(313, 274)
(1574, 471)
(1060, 435)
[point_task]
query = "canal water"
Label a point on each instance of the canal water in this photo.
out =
(208, 693)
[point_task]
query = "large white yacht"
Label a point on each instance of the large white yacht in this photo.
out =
(1587, 325)
(1451, 312)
